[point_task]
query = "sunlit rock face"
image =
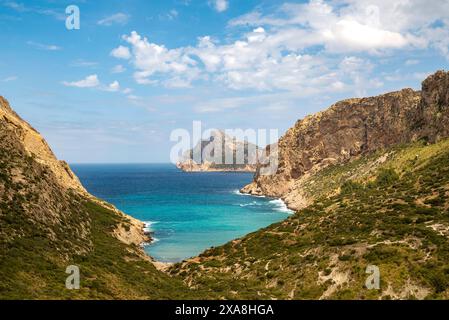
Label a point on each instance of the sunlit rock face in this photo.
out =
(353, 127)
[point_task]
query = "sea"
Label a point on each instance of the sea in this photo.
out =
(186, 212)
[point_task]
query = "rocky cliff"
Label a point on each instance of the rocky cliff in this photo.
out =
(19, 138)
(352, 128)
(220, 152)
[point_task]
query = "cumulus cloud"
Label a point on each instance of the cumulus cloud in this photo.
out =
(151, 60)
(121, 52)
(350, 25)
(88, 82)
(92, 81)
(113, 87)
(310, 47)
(118, 18)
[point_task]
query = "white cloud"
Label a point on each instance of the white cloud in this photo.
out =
(312, 47)
(351, 26)
(220, 5)
(255, 62)
(118, 69)
(350, 34)
(399, 75)
(41, 46)
(121, 52)
(92, 81)
(88, 82)
(113, 87)
(151, 60)
(118, 18)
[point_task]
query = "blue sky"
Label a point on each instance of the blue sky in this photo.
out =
(113, 90)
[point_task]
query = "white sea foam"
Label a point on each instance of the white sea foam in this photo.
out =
(253, 203)
(148, 225)
(281, 206)
(154, 240)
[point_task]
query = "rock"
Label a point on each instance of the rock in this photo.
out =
(351, 128)
(203, 157)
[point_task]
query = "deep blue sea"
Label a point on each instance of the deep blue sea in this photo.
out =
(188, 212)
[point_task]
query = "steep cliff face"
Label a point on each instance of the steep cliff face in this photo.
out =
(351, 128)
(36, 147)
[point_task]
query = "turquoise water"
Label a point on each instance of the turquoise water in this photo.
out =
(188, 212)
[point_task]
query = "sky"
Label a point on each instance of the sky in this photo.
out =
(113, 90)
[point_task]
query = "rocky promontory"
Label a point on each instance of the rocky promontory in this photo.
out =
(351, 128)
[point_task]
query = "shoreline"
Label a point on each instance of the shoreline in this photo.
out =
(293, 210)
(148, 232)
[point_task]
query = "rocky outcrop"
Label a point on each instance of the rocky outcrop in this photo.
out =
(351, 128)
(37, 148)
(220, 152)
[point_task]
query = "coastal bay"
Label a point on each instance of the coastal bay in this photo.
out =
(186, 213)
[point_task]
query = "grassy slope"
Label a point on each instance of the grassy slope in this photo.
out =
(391, 211)
(43, 229)
(33, 267)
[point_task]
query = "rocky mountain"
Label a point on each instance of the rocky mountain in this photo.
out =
(48, 221)
(350, 129)
(220, 153)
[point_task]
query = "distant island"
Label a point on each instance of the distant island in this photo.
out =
(210, 155)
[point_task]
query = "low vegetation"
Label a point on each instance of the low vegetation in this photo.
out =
(390, 210)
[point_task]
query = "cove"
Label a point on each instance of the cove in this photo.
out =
(187, 212)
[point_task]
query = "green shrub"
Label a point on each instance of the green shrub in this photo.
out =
(386, 177)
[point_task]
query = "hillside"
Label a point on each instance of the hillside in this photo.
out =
(48, 222)
(370, 181)
(210, 155)
(389, 209)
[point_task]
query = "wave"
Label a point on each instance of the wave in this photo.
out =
(276, 204)
(280, 206)
(148, 225)
(254, 203)
(153, 241)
